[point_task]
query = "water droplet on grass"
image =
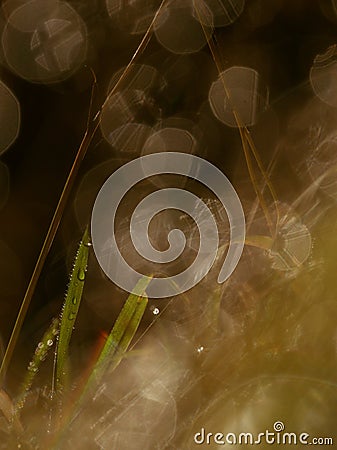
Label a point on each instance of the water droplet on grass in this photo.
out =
(71, 316)
(155, 310)
(81, 275)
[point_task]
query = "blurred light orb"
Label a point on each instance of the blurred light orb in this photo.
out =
(44, 41)
(169, 139)
(129, 113)
(8, 6)
(129, 138)
(138, 76)
(10, 117)
(88, 189)
(323, 76)
(178, 30)
(133, 16)
(238, 97)
(4, 184)
(122, 118)
(222, 12)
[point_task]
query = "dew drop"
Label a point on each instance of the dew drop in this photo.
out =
(200, 349)
(32, 367)
(71, 316)
(81, 275)
(50, 342)
(155, 311)
(40, 345)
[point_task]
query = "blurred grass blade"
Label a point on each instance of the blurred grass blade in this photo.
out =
(71, 307)
(40, 354)
(8, 410)
(263, 242)
(123, 330)
(6, 406)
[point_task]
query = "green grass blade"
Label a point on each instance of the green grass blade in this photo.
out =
(71, 307)
(123, 330)
(129, 333)
(113, 350)
(40, 354)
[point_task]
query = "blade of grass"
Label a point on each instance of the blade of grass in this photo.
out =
(40, 354)
(115, 347)
(130, 331)
(123, 330)
(71, 307)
